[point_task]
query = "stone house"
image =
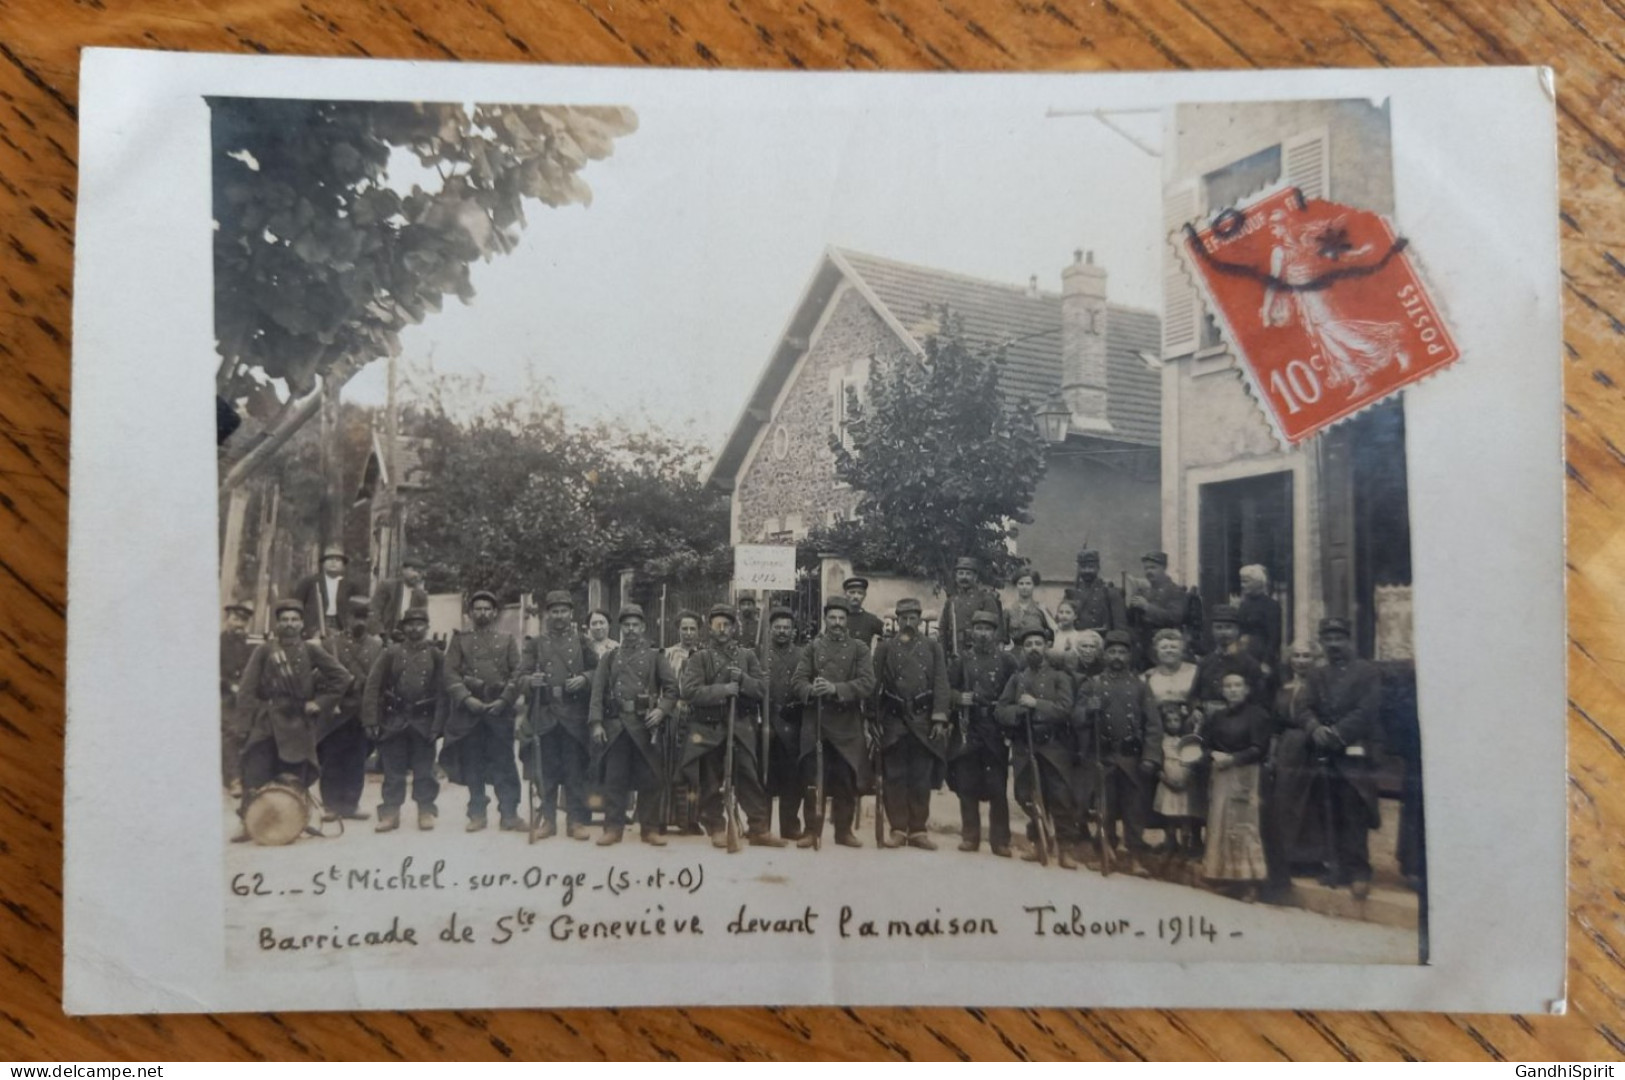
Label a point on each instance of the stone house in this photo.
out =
(1089, 363)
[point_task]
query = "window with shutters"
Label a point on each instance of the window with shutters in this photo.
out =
(844, 385)
(1181, 307)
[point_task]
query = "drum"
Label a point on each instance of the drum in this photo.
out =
(277, 813)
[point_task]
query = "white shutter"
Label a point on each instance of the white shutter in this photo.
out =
(837, 403)
(1181, 307)
(1306, 163)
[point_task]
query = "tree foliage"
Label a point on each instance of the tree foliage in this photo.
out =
(320, 263)
(523, 500)
(945, 462)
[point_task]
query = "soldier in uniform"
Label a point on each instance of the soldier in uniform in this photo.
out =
(1118, 717)
(969, 597)
(234, 653)
(725, 674)
(341, 738)
(556, 671)
(750, 623)
(779, 665)
(395, 596)
(633, 694)
(288, 685)
(913, 678)
(979, 765)
(1160, 605)
(482, 687)
(403, 709)
(684, 797)
(835, 677)
(1343, 713)
(1038, 699)
(1229, 654)
(1098, 605)
(864, 626)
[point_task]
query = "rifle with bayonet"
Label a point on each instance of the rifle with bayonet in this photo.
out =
(1043, 827)
(1102, 809)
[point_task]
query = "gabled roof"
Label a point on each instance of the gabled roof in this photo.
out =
(409, 454)
(1026, 323)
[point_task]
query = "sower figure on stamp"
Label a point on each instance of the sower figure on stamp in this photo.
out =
(913, 678)
(557, 680)
(1160, 604)
(1342, 707)
(979, 765)
(969, 597)
(404, 709)
(784, 749)
(722, 677)
(288, 685)
(341, 739)
(861, 625)
(1098, 606)
(1119, 716)
(482, 685)
(1036, 710)
(835, 678)
(633, 696)
(235, 650)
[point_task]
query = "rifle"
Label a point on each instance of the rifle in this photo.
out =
(535, 790)
(818, 771)
(730, 804)
(879, 765)
(1043, 827)
(1102, 816)
(767, 696)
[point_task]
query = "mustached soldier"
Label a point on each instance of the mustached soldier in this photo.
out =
(556, 671)
(1041, 695)
(979, 767)
(834, 678)
(784, 748)
(969, 597)
(633, 695)
(721, 675)
(1098, 605)
(404, 710)
(1121, 706)
(482, 681)
(913, 677)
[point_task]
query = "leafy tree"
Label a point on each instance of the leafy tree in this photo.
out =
(945, 462)
(320, 263)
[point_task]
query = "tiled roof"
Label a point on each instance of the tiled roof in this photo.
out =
(1028, 325)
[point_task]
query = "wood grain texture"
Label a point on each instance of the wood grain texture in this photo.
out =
(39, 48)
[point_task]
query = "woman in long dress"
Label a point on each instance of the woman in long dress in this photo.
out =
(1294, 830)
(1237, 737)
(1352, 349)
(1179, 790)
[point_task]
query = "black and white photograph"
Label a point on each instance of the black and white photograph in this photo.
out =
(711, 545)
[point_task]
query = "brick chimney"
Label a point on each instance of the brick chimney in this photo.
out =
(1083, 343)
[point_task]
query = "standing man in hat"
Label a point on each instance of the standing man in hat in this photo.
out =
(913, 677)
(1343, 711)
(482, 687)
(979, 766)
(969, 597)
(394, 596)
(341, 739)
(1038, 698)
(288, 685)
(1098, 605)
(325, 595)
(750, 622)
(403, 709)
(557, 670)
(864, 626)
(1160, 605)
(234, 653)
(1228, 654)
(684, 798)
(835, 678)
(779, 664)
(633, 694)
(1118, 714)
(721, 676)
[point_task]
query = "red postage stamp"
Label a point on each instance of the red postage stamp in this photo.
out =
(1321, 304)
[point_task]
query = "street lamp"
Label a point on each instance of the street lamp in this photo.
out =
(1054, 420)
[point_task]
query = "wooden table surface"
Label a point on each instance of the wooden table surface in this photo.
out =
(1584, 40)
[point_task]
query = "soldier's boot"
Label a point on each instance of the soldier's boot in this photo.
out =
(1064, 858)
(971, 842)
(847, 838)
(922, 841)
(1001, 850)
(476, 824)
(896, 838)
(765, 839)
(578, 831)
(242, 836)
(388, 820)
(426, 819)
(719, 839)
(809, 838)
(356, 815)
(653, 837)
(511, 823)
(611, 835)
(546, 828)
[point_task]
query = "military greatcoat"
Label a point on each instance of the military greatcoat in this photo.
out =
(846, 664)
(483, 665)
(1051, 717)
(913, 678)
(704, 681)
(560, 657)
(627, 684)
(779, 664)
(406, 689)
(957, 614)
(277, 683)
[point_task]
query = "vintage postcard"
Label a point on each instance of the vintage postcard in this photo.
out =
(722, 538)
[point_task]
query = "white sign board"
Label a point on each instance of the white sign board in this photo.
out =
(764, 566)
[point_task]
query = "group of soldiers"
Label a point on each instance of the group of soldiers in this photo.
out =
(733, 719)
